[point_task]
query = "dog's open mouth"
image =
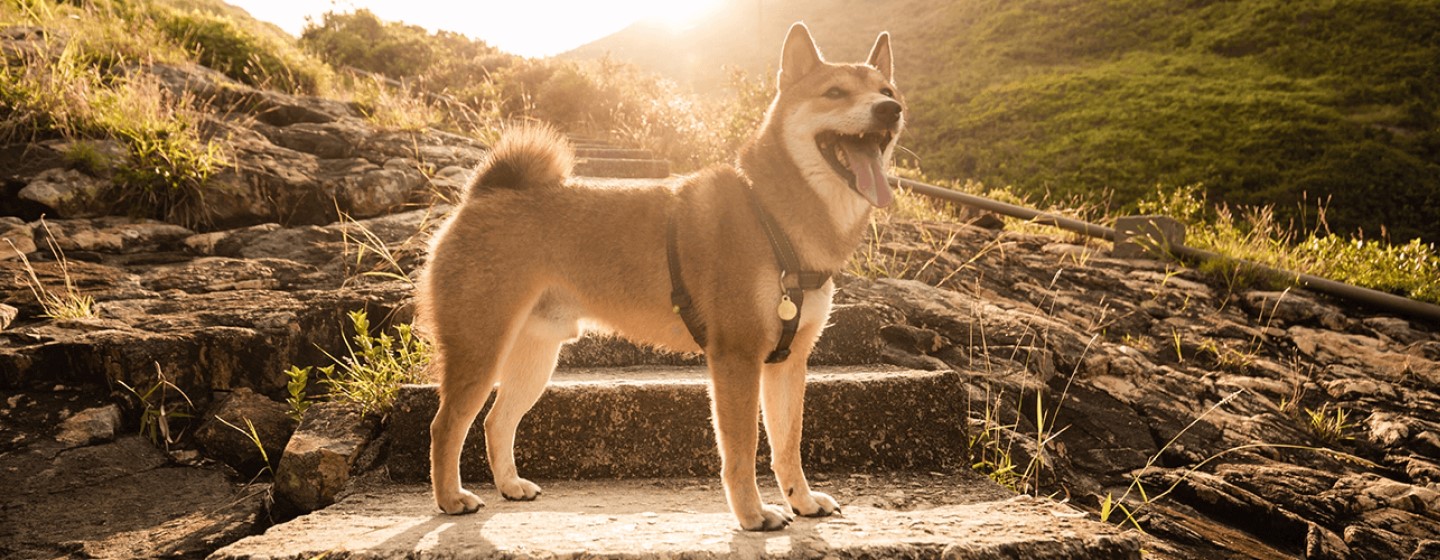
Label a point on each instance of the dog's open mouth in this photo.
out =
(859, 160)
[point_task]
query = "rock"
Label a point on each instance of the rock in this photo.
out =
(317, 462)
(1360, 352)
(379, 190)
(332, 140)
(1399, 330)
(112, 235)
(119, 499)
(233, 443)
(68, 193)
(1321, 544)
(7, 315)
(1426, 550)
(1292, 307)
(1377, 544)
(854, 333)
(16, 238)
(90, 426)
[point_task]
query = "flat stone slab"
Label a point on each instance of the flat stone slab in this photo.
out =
(646, 422)
(663, 519)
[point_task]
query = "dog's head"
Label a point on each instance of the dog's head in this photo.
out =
(839, 121)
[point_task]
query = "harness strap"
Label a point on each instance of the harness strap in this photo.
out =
(793, 280)
(680, 300)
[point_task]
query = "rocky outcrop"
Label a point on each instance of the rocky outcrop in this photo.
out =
(292, 160)
(1258, 422)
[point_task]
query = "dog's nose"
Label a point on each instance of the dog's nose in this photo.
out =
(887, 111)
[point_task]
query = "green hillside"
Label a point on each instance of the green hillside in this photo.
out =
(1291, 104)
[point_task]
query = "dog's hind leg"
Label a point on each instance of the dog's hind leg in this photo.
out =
(735, 388)
(527, 370)
(469, 356)
(783, 398)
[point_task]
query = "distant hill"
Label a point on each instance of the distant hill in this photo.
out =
(1263, 102)
(746, 34)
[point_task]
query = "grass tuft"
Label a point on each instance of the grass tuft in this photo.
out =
(66, 304)
(374, 367)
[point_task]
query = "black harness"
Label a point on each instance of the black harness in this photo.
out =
(793, 282)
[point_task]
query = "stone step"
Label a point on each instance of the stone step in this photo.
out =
(623, 168)
(614, 153)
(907, 516)
(649, 422)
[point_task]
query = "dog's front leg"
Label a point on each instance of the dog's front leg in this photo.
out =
(735, 392)
(783, 390)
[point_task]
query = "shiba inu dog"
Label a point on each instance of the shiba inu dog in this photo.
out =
(735, 262)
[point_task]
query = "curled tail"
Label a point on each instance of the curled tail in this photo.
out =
(526, 157)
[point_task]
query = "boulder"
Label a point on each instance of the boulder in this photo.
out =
(317, 462)
(90, 426)
(225, 433)
(68, 193)
(16, 238)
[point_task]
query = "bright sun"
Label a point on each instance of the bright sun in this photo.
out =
(523, 27)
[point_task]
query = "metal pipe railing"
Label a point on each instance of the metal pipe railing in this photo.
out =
(1368, 296)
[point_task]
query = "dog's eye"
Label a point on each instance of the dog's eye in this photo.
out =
(887, 92)
(835, 93)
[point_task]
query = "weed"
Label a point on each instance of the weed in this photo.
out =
(1109, 504)
(371, 373)
(1331, 426)
(68, 304)
(158, 410)
(297, 380)
(254, 437)
(367, 244)
(395, 107)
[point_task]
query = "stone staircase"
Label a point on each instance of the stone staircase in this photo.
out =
(601, 158)
(621, 443)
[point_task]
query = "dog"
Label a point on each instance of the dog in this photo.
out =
(734, 262)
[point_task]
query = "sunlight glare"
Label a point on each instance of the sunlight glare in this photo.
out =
(675, 14)
(525, 27)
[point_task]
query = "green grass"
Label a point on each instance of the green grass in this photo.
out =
(1263, 103)
(1256, 234)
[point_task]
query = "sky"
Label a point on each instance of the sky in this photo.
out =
(523, 27)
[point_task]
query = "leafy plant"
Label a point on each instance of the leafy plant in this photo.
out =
(375, 367)
(297, 380)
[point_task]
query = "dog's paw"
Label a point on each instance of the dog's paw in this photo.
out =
(771, 518)
(817, 504)
(519, 490)
(460, 503)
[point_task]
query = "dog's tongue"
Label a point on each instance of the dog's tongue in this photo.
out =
(869, 173)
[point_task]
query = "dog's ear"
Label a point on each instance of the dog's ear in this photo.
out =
(880, 57)
(799, 55)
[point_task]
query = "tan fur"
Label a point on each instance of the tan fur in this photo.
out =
(521, 265)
